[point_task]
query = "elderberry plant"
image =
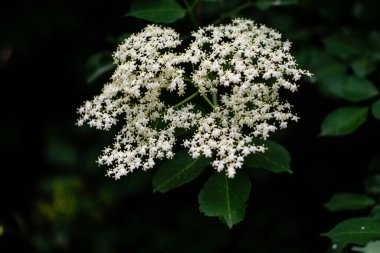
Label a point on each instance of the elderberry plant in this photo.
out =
(223, 88)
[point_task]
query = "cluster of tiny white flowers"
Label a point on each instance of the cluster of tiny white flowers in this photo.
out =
(242, 65)
(249, 64)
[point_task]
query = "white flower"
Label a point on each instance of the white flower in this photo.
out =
(241, 65)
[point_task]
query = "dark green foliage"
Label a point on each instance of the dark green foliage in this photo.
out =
(343, 121)
(157, 11)
(266, 4)
(97, 65)
(225, 198)
(349, 202)
(356, 89)
(372, 184)
(53, 193)
(178, 171)
(376, 109)
(276, 158)
(357, 230)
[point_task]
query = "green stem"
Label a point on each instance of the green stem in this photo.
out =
(215, 98)
(189, 10)
(208, 101)
(186, 100)
(202, 95)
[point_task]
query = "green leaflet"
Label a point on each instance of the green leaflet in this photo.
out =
(356, 89)
(225, 197)
(375, 213)
(376, 109)
(158, 11)
(363, 65)
(343, 121)
(180, 170)
(343, 45)
(349, 202)
(265, 4)
(371, 247)
(276, 158)
(97, 65)
(357, 230)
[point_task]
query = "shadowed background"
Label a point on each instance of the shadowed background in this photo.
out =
(54, 197)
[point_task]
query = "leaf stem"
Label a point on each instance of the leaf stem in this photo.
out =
(189, 10)
(186, 100)
(208, 101)
(202, 95)
(215, 98)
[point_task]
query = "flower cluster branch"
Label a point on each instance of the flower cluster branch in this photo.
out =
(238, 69)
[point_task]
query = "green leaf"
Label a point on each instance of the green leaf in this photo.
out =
(357, 89)
(1, 230)
(342, 45)
(343, 121)
(376, 109)
(372, 184)
(276, 158)
(158, 11)
(348, 87)
(375, 213)
(97, 65)
(357, 230)
(265, 4)
(371, 247)
(363, 65)
(349, 202)
(180, 170)
(225, 197)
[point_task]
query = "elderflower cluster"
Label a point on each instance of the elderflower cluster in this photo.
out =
(241, 66)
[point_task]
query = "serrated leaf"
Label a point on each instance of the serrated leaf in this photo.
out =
(357, 89)
(343, 121)
(97, 65)
(158, 11)
(342, 45)
(225, 197)
(372, 184)
(363, 65)
(357, 230)
(349, 202)
(276, 158)
(180, 170)
(376, 109)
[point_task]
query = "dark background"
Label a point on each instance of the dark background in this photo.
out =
(55, 198)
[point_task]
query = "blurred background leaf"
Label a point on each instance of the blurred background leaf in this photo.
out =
(157, 11)
(349, 202)
(343, 121)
